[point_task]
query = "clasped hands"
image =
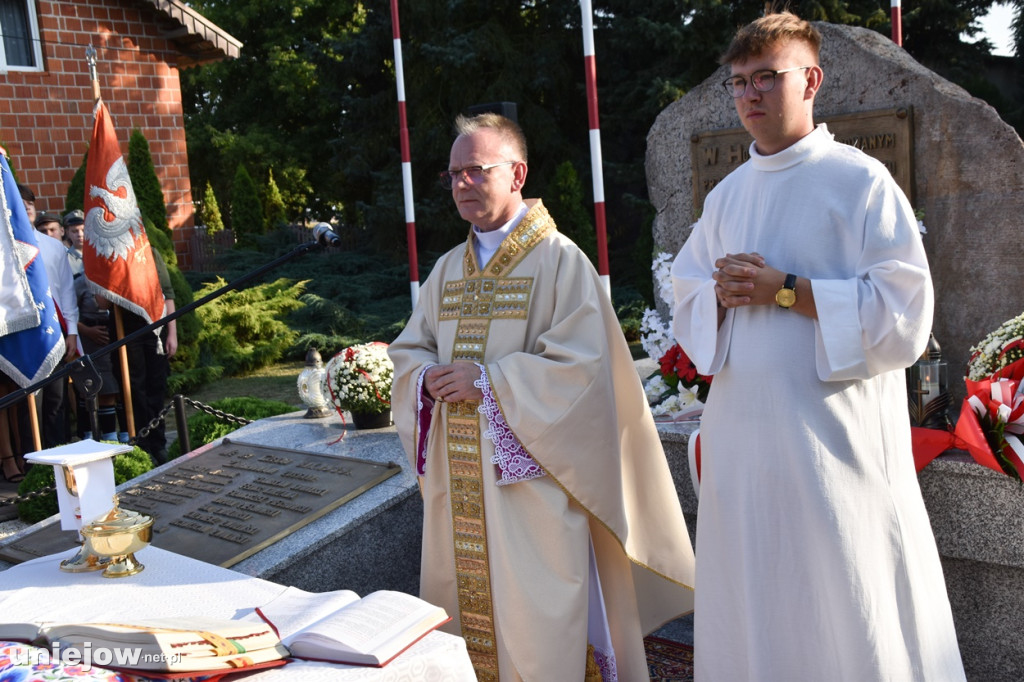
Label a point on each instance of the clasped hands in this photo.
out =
(745, 279)
(453, 382)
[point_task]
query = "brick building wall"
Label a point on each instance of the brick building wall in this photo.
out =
(46, 117)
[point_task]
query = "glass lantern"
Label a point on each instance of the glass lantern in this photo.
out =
(310, 386)
(927, 389)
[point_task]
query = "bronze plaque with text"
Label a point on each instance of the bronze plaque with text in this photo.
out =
(885, 134)
(229, 502)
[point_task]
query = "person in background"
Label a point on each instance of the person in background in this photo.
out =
(50, 225)
(94, 332)
(53, 403)
(805, 290)
(28, 197)
(552, 530)
(149, 367)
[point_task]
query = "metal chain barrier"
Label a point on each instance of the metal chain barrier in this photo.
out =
(153, 423)
(220, 414)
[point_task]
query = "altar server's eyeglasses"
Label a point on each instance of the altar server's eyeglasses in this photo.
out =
(762, 81)
(472, 174)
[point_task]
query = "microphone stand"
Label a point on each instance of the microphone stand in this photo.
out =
(84, 362)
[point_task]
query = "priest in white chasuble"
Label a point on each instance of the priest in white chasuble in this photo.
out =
(552, 530)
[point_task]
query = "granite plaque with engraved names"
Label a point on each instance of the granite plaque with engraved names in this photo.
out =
(227, 503)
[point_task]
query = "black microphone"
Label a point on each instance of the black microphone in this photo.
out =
(324, 235)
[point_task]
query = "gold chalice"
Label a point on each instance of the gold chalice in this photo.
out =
(115, 537)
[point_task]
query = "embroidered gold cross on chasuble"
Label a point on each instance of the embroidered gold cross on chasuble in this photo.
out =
(474, 301)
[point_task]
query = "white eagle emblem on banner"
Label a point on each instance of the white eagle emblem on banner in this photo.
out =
(115, 238)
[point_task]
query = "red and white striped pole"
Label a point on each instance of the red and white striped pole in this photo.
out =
(590, 66)
(897, 22)
(403, 133)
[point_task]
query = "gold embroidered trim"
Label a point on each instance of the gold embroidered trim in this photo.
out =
(469, 530)
(534, 226)
(451, 299)
(474, 301)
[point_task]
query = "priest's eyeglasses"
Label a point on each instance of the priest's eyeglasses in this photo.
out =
(761, 81)
(472, 174)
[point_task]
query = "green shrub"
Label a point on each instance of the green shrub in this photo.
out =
(76, 190)
(126, 467)
(245, 330)
(246, 209)
(10, 161)
(630, 311)
(204, 428)
(188, 325)
(274, 215)
(571, 214)
(209, 211)
(145, 183)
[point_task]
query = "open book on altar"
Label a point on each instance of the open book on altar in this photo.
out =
(168, 645)
(341, 627)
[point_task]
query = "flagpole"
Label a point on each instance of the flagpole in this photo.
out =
(403, 135)
(33, 420)
(122, 352)
(896, 14)
(596, 166)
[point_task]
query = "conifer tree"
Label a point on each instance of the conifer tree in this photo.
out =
(145, 183)
(246, 212)
(76, 190)
(567, 205)
(10, 161)
(209, 211)
(274, 214)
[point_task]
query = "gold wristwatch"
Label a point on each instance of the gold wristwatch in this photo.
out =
(786, 296)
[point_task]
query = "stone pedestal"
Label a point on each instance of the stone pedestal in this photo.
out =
(977, 516)
(978, 519)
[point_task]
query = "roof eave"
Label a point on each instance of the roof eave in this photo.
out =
(198, 39)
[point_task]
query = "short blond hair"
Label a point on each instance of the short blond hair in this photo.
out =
(508, 129)
(770, 30)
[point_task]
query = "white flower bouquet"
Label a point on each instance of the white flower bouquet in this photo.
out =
(1000, 348)
(358, 378)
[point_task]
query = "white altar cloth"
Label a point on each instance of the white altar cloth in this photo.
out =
(175, 585)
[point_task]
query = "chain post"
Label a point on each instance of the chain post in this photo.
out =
(179, 418)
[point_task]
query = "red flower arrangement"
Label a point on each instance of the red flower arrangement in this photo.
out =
(677, 369)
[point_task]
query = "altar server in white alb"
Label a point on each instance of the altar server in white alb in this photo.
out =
(805, 290)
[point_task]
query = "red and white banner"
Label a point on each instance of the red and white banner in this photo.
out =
(116, 251)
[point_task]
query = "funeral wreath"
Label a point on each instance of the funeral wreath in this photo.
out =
(992, 419)
(358, 378)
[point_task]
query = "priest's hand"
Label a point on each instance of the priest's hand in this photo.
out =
(453, 383)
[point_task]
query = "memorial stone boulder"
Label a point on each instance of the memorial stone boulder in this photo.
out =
(967, 175)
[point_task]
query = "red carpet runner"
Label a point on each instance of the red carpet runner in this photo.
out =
(668, 661)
